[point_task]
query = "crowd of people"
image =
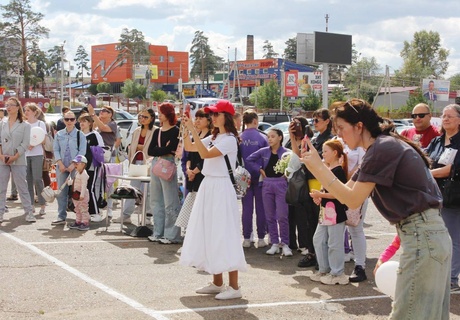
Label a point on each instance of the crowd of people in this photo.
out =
(355, 155)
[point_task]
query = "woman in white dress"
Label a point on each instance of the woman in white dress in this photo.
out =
(212, 242)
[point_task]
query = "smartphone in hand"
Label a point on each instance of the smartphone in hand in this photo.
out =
(187, 110)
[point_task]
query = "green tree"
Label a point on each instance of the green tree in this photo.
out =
(268, 96)
(312, 101)
(269, 52)
(337, 94)
(290, 52)
(133, 89)
(424, 56)
(54, 62)
(81, 60)
(202, 58)
(455, 82)
(362, 76)
(158, 95)
(22, 24)
(92, 89)
(38, 64)
(133, 47)
(104, 87)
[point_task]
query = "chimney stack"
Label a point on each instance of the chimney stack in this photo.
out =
(250, 47)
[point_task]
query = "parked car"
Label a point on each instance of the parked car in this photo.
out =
(84, 96)
(9, 93)
(401, 122)
(264, 125)
(130, 102)
(102, 95)
(274, 117)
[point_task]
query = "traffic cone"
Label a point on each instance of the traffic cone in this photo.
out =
(53, 178)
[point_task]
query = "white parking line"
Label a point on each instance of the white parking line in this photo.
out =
(271, 304)
(117, 295)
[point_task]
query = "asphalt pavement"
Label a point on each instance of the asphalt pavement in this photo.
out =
(53, 272)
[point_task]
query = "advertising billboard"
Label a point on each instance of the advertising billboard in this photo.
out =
(436, 90)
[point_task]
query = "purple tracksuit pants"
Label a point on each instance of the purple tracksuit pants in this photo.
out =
(276, 209)
(254, 193)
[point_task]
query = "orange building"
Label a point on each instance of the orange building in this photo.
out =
(165, 67)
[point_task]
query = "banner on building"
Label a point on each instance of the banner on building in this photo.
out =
(436, 90)
(290, 83)
(310, 81)
(153, 72)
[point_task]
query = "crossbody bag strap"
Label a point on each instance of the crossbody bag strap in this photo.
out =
(159, 137)
(230, 170)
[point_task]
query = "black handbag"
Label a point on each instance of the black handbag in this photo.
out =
(101, 202)
(451, 189)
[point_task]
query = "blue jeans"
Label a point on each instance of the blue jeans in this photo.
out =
(62, 198)
(423, 281)
(165, 205)
(451, 218)
(329, 248)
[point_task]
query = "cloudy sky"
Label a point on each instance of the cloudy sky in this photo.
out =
(378, 28)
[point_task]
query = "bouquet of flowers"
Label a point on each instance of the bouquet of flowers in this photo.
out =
(283, 164)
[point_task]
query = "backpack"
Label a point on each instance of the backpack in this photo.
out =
(298, 191)
(49, 140)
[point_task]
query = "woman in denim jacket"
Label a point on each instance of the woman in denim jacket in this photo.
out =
(14, 141)
(67, 145)
(274, 192)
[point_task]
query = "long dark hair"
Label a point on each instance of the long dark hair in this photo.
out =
(229, 126)
(357, 110)
(152, 115)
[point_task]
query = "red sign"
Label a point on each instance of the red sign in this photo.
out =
(290, 83)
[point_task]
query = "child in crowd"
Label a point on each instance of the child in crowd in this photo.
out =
(389, 252)
(80, 194)
(328, 238)
(274, 192)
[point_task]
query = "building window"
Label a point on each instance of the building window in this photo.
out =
(162, 73)
(256, 71)
(162, 59)
(265, 70)
(241, 72)
(171, 73)
(171, 59)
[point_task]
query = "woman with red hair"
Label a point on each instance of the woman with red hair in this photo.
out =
(164, 197)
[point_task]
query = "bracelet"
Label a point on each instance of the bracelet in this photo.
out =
(332, 181)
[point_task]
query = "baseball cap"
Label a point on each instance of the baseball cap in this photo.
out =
(221, 106)
(80, 159)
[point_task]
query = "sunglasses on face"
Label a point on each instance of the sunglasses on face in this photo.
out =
(69, 119)
(420, 115)
(316, 120)
(143, 117)
(105, 110)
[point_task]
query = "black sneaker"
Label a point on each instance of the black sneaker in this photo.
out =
(358, 275)
(308, 261)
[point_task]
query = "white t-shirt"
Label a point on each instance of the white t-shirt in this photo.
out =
(226, 144)
(38, 149)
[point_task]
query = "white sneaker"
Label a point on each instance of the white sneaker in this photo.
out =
(96, 218)
(330, 279)
(273, 250)
(317, 276)
(229, 293)
(210, 289)
(287, 252)
(153, 239)
(30, 217)
(246, 243)
(42, 212)
(126, 219)
(261, 243)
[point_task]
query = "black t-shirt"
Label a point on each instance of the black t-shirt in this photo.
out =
(269, 171)
(339, 207)
(165, 148)
(404, 185)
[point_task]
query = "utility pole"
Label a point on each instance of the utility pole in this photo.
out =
(326, 74)
(62, 75)
(281, 84)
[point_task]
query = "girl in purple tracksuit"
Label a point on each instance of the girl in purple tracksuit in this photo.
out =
(274, 191)
(251, 141)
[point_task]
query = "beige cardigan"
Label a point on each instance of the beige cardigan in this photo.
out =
(135, 141)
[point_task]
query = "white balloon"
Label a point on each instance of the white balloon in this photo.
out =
(37, 135)
(385, 278)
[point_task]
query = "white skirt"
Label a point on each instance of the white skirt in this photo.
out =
(213, 239)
